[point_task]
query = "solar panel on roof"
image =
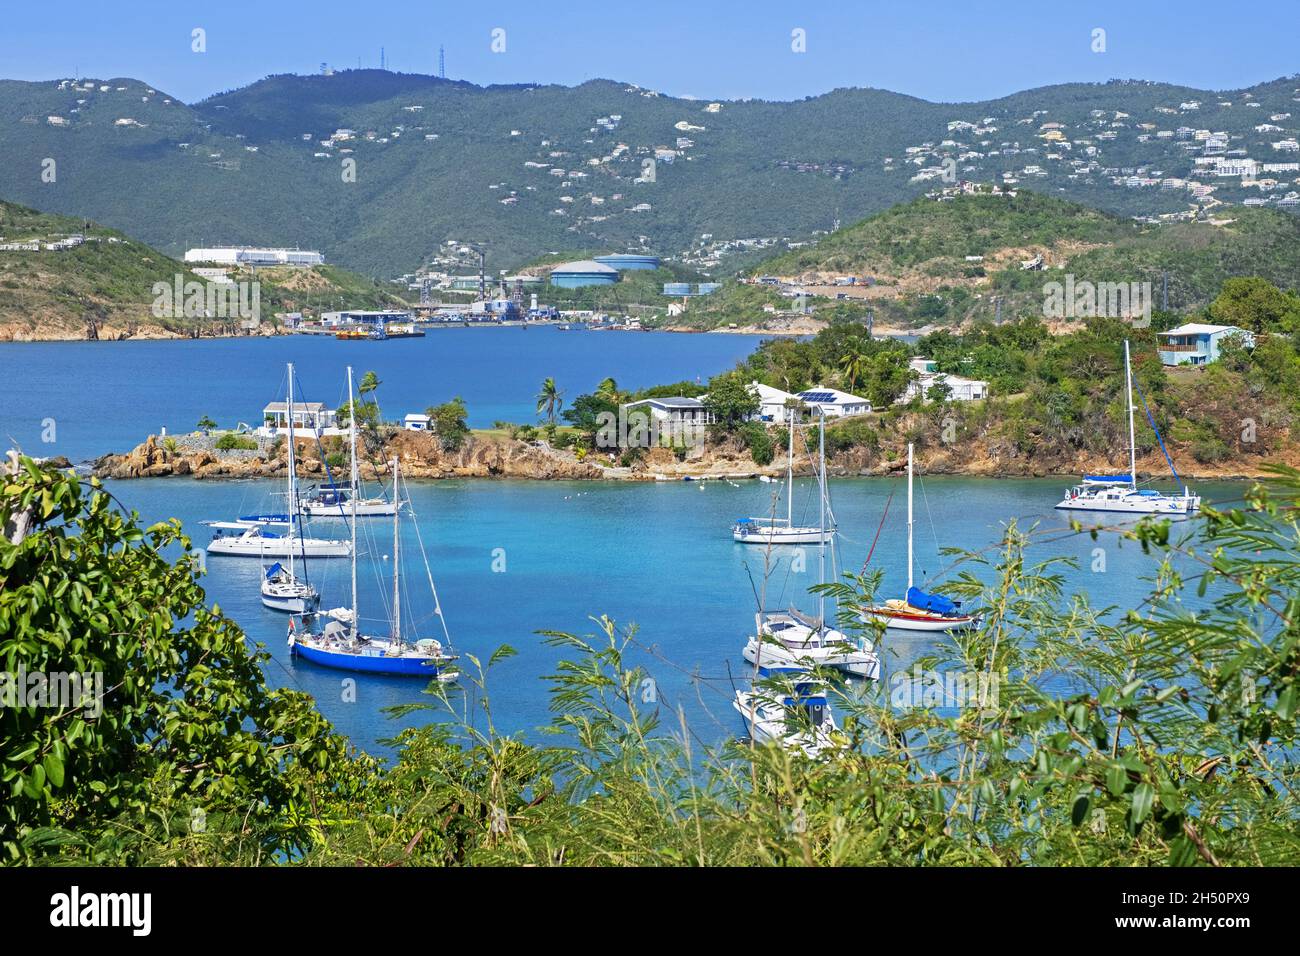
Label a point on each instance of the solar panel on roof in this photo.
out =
(817, 396)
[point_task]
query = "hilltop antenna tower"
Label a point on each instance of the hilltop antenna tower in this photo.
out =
(442, 62)
(382, 60)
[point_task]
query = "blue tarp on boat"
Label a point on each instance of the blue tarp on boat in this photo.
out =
(930, 602)
(273, 570)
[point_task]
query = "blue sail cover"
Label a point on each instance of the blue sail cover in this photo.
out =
(930, 602)
(273, 570)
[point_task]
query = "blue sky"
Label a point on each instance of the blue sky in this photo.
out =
(936, 49)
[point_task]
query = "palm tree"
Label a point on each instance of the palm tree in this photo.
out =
(609, 389)
(549, 400)
(369, 382)
(853, 363)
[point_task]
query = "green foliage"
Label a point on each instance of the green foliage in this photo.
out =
(231, 441)
(448, 422)
(550, 400)
(731, 402)
(1256, 305)
(185, 730)
(206, 424)
(756, 438)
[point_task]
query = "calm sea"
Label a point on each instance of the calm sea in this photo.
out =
(109, 396)
(511, 558)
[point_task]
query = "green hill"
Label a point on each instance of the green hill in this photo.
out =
(527, 170)
(103, 286)
(943, 262)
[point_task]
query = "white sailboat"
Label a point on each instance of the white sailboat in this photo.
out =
(917, 611)
(792, 639)
(336, 500)
(340, 642)
(281, 588)
(774, 530)
(1120, 493)
(789, 708)
(250, 536)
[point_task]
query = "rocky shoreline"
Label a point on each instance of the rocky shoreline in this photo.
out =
(498, 456)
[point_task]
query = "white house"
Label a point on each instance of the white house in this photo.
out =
(772, 402)
(316, 417)
(673, 418)
(416, 422)
(927, 376)
(833, 403)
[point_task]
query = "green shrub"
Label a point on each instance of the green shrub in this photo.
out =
(232, 441)
(759, 442)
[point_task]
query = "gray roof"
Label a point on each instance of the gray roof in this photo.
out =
(584, 265)
(675, 401)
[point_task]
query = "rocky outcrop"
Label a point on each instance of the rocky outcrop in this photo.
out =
(420, 455)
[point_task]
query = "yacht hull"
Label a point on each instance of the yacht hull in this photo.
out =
(765, 536)
(1137, 506)
(373, 661)
(365, 509)
(259, 547)
(913, 619)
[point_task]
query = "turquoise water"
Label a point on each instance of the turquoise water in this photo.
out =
(658, 555)
(108, 396)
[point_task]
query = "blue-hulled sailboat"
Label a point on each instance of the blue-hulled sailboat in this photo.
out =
(335, 638)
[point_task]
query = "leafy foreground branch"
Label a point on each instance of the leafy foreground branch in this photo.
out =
(1163, 736)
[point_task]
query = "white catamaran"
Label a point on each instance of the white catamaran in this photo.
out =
(1120, 493)
(781, 530)
(918, 611)
(791, 638)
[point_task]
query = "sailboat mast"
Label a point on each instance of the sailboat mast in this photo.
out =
(352, 438)
(397, 591)
(909, 516)
(1132, 442)
(821, 525)
(293, 498)
(789, 476)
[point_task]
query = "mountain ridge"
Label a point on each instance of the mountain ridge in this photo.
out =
(527, 169)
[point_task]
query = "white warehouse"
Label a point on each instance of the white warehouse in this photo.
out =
(249, 256)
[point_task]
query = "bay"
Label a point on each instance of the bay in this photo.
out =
(105, 397)
(511, 558)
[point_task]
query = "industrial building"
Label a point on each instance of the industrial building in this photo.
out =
(575, 275)
(363, 317)
(249, 256)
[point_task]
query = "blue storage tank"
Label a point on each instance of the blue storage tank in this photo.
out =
(624, 261)
(574, 275)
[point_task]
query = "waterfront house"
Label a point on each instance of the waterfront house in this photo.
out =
(313, 416)
(773, 403)
(833, 403)
(416, 422)
(674, 418)
(927, 376)
(1198, 344)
